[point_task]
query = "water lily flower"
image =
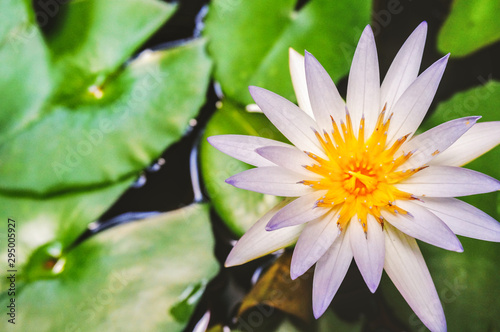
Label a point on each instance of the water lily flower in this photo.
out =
(357, 182)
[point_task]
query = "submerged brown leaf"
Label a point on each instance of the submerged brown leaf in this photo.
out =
(275, 290)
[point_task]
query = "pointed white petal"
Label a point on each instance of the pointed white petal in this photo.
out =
(363, 89)
(464, 219)
(329, 272)
(272, 180)
(300, 211)
(202, 324)
(436, 140)
(481, 138)
(406, 267)
(317, 236)
(404, 68)
(422, 224)
(368, 250)
(411, 107)
(298, 74)
(297, 126)
(448, 181)
(243, 147)
(258, 242)
(323, 94)
(288, 157)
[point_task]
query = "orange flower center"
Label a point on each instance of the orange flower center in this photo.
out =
(360, 175)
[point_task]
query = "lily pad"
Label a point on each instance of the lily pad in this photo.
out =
(76, 129)
(249, 40)
(126, 279)
(470, 26)
(54, 221)
(97, 120)
(239, 208)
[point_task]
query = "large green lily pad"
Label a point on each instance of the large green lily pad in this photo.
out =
(470, 26)
(78, 121)
(249, 40)
(87, 118)
(54, 221)
(124, 279)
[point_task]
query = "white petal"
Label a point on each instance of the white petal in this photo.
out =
(317, 236)
(324, 96)
(258, 242)
(411, 107)
(363, 89)
(300, 211)
(404, 68)
(481, 138)
(243, 147)
(368, 250)
(298, 74)
(435, 141)
(329, 272)
(288, 157)
(272, 180)
(448, 181)
(422, 224)
(464, 219)
(202, 324)
(297, 126)
(406, 267)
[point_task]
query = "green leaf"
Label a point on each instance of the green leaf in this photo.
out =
(144, 108)
(125, 279)
(483, 100)
(64, 159)
(470, 26)
(183, 308)
(108, 31)
(249, 40)
(24, 61)
(46, 222)
(237, 207)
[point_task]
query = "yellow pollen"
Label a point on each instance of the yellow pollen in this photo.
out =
(359, 174)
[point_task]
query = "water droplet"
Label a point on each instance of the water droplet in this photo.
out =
(156, 166)
(141, 181)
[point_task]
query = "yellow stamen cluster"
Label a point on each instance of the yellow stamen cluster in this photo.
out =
(360, 175)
